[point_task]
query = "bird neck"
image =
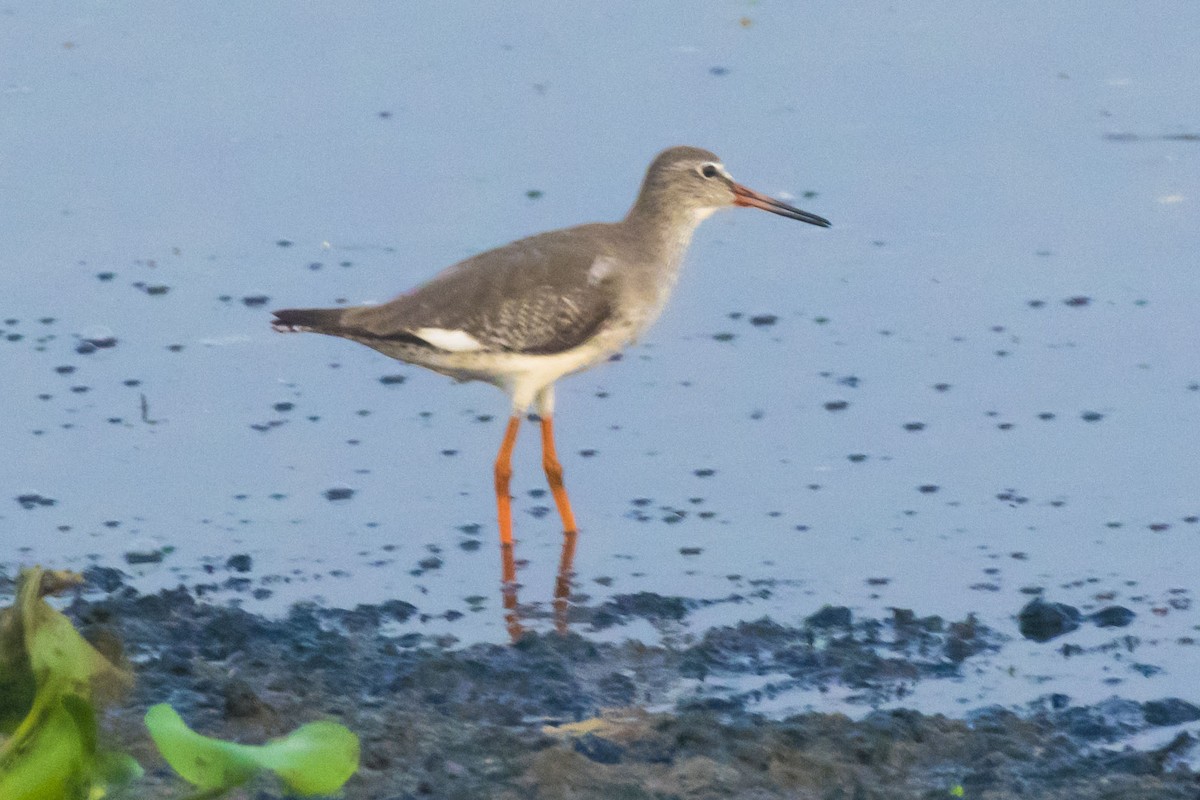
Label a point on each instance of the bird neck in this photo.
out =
(664, 228)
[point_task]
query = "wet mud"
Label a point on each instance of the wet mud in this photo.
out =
(560, 715)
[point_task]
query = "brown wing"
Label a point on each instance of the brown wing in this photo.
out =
(538, 295)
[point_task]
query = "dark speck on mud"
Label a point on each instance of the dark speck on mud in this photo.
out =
(491, 720)
(33, 500)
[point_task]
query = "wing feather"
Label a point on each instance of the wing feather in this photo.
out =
(539, 296)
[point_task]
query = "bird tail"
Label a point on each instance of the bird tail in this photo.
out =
(318, 320)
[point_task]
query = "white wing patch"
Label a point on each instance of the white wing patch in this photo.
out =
(601, 268)
(451, 341)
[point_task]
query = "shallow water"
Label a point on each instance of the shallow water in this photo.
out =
(1005, 307)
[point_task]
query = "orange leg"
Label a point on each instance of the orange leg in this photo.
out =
(554, 475)
(503, 474)
(508, 567)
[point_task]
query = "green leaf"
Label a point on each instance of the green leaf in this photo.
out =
(17, 686)
(58, 652)
(112, 770)
(49, 678)
(316, 758)
(46, 757)
(39, 647)
(199, 760)
(53, 755)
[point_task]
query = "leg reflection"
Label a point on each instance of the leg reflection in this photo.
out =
(508, 593)
(562, 584)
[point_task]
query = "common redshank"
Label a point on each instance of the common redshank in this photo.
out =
(526, 314)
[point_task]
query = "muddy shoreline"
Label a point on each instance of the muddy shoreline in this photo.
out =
(558, 716)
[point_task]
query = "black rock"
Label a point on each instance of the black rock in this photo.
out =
(831, 617)
(1042, 621)
(153, 556)
(239, 563)
(1112, 617)
(617, 689)
(1105, 721)
(1170, 711)
(602, 751)
(241, 700)
(398, 610)
(646, 605)
(176, 663)
(106, 579)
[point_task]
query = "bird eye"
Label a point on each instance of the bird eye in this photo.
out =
(709, 171)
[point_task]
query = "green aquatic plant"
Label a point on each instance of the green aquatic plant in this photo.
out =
(55, 755)
(50, 681)
(317, 758)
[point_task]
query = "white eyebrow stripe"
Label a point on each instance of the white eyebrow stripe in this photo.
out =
(449, 340)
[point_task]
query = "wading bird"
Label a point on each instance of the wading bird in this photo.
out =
(524, 315)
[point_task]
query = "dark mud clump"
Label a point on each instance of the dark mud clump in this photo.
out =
(558, 716)
(1042, 621)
